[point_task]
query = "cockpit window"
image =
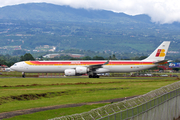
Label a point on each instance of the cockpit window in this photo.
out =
(15, 65)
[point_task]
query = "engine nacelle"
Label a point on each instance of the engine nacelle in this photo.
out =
(81, 70)
(70, 72)
(76, 71)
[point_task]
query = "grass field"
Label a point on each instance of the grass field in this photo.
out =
(26, 93)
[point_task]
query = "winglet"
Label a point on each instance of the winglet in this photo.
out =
(106, 63)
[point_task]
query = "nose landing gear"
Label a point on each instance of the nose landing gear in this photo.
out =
(23, 74)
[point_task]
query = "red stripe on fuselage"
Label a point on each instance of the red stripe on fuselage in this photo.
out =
(88, 62)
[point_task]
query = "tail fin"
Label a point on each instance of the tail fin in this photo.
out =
(160, 53)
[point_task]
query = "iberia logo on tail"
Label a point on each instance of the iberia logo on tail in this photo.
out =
(160, 53)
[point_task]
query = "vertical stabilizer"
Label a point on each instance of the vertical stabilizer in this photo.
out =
(160, 53)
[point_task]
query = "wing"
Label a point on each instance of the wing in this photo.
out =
(94, 67)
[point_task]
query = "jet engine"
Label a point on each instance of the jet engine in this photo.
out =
(70, 72)
(81, 70)
(76, 71)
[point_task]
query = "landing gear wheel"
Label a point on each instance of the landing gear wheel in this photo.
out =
(23, 75)
(90, 76)
(95, 76)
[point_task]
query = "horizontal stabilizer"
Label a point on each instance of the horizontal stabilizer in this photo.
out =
(161, 62)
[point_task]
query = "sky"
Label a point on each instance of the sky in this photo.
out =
(160, 11)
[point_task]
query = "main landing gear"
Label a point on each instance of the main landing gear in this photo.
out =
(94, 76)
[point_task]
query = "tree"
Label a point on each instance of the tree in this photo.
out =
(98, 58)
(114, 57)
(2, 61)
(110, 58)
(86, 58)
(27, 56)
(41, 57)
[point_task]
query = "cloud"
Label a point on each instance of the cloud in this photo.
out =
(160, 11)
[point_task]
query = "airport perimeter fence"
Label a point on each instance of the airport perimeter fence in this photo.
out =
(160, 104)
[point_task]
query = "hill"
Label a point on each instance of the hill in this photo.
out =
(45, 11)
(43, 27)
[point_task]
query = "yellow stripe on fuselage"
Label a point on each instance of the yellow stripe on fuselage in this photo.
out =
(29, 63)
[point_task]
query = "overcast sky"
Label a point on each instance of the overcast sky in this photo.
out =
(160, 11)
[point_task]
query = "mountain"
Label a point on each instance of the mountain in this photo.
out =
(34, 27)
(45, 11)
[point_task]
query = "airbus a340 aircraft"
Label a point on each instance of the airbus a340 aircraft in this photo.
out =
(92, 68)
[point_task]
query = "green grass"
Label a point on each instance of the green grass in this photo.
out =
(44, 115)
(74, 90)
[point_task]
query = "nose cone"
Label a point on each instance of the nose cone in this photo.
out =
(12, 67)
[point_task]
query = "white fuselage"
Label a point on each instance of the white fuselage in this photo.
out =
(122, 66)
(91, 68)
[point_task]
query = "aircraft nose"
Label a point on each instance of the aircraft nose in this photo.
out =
(11, 67)
(15, 67)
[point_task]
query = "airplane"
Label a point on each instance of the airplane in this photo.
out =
(92, 68)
